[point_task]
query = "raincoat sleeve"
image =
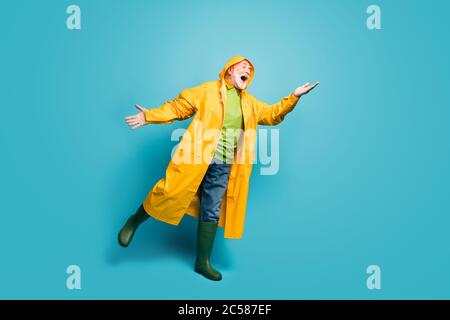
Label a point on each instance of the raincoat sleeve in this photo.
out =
(180, 108)
(271, 115)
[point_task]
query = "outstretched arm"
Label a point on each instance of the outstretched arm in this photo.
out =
(178, 109)
(274, 114)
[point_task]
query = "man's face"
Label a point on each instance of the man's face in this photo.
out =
(239, 74)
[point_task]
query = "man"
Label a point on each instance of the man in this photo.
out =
(209, 173)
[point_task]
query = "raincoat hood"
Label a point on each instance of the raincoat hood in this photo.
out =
(233, 61)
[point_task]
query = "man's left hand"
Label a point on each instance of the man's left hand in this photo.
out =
(304, 89)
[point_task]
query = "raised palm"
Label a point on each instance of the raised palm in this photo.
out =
(304, 89)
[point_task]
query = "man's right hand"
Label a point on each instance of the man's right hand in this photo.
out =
(137, 120)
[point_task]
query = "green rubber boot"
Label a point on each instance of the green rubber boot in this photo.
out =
(205, 239)
(127, 232)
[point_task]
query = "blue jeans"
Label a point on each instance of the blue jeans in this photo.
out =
(212, 190)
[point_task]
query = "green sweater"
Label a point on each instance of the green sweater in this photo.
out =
(231, 129)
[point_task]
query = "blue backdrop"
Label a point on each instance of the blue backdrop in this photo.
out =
(364, 159)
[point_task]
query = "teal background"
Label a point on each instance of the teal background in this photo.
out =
(364, 160)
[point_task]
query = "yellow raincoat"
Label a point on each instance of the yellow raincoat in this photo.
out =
(176, 194)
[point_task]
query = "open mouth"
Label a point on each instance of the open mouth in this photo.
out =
(244, 78)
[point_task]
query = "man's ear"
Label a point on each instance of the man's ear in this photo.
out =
(230, 70)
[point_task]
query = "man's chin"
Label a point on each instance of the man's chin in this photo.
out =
(241, 85)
